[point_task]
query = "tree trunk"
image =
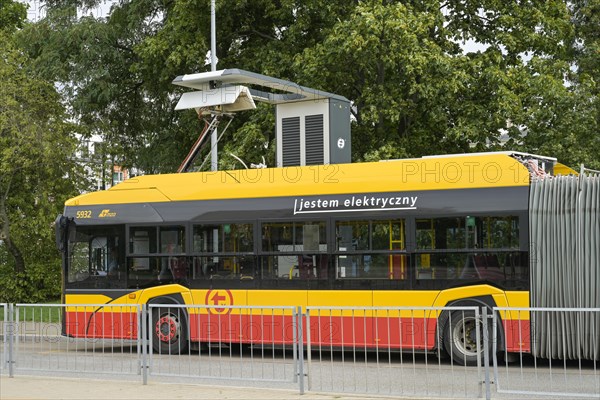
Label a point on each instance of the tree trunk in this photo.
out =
(10, 244)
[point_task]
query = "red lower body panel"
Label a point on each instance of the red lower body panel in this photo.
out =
(358, 332)
(517, 334)
(369, 332)
(101, 324)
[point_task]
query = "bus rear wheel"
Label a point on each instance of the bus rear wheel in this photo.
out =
(169, 331)
(460, 338)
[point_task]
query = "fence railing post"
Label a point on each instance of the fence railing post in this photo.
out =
(486, 354)
(11, 328)
(300, 351)
(143, 341)
(139, 340)
(4, 338)
(308, 349)
(295, 343)
(495, 348)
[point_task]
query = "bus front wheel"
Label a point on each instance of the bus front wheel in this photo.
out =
(460, 337)
(169, 331)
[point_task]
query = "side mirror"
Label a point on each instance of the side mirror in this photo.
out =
(61, 227)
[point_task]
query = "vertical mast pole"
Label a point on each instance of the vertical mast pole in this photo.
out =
(213, 67)
(214, 154)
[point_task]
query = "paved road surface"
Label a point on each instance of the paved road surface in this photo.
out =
(35, 387)
(258, 373)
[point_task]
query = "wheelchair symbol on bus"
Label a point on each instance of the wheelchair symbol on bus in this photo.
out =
(219, 297)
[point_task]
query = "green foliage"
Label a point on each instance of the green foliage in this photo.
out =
(12, 15)
(415, 91)
(251, 141)
(531, 84)
(37, 285)
(116, 72)
(36, 176)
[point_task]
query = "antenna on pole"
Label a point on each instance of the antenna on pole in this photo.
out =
(214, 154)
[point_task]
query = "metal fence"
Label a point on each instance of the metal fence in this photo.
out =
(572, 372)
(394, 351)
(100, 338)
(227, 343)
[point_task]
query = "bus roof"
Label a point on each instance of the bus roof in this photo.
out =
(485, 170)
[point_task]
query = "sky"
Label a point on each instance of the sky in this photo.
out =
(37, 11)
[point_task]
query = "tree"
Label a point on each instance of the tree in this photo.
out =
(116, 72)
(415, 91)
(36, 168)
(585, 80)
(12, 15)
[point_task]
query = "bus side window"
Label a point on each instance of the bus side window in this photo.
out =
(79, 258)
(98, 254)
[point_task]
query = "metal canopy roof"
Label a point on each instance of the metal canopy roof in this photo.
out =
(231, 98)
(292, 92)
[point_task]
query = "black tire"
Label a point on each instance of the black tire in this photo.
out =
(169, 330)
(460, 338)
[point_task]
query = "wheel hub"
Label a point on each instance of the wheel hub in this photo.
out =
(167, 329)
(465, 336)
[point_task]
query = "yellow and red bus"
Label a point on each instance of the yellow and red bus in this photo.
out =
(427, 232)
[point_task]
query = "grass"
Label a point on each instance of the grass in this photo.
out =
(41, 312)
